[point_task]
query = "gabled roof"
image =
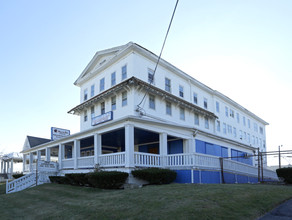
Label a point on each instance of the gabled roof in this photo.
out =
(35, 141)
(98, 61)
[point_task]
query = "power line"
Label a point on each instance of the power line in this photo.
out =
(147, 90)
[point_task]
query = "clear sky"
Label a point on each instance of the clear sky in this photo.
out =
(240, 48)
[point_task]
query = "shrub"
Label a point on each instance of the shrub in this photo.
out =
(155, 175)
(78, 179)
(17, 175)
(285, 174)
(59, 179)
(107, 179)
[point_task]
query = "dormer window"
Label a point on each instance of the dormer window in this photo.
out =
(101, 85)
(124, 72)
(181, 91)
(150, 76)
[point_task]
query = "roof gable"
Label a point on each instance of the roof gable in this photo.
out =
(100, 59)
(31, 142)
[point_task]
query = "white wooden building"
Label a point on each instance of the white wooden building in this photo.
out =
(181, 123)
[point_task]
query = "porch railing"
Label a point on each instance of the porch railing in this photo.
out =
(21, 183)
(147, 160)
(112, 160)
(68, 163)
(86, 162)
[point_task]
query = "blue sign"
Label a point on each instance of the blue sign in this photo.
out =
(108, 116)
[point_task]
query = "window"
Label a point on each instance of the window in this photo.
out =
(206, 122)
(92, 111)
(101, 85)
(150, 76)
(243, 120)
(205, 103)
(182, 113)
(244, 136)
(113, 78)
(231, 113)
(261, 130)
(226, 111)
(102, 108)
(224, 128)
(114, 103)
(234, 131)
(218, 126)
(85, 95)
(181, 91)
(195, 98)
(167, 85)
(240, 134)
(197, 119)
(229, 129)
(168, 108)
(92, 91)
(248, 137)
(248, 123)
(124, 98)
(255, 126)
(85, 115)
(217, 107)
(124, 72)
(152, 101)
(253, 140)
(237, 117)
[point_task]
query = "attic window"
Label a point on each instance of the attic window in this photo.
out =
(102, 62)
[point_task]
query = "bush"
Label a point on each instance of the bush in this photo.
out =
(18, 175)
(285, 174)
(155, 175)
(107, 179)
(78, 179)
(59, 179)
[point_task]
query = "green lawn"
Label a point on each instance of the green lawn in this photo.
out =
(174, 201)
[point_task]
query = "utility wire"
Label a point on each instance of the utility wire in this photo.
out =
(159, 54)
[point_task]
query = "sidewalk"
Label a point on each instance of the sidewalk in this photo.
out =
(282, 212)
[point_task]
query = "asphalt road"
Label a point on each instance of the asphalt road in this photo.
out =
(282, 212)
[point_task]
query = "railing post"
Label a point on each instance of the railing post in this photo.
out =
(76, 151)
(30, 162)
(60, 156)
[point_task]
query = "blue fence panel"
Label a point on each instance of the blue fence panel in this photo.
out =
(183, 176)
(242, 179)
(229, 178)
(200, 147)
(210, 177)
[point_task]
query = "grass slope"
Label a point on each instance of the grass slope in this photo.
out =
(174, 201)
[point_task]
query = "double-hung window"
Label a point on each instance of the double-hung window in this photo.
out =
(114, 103)
(167, 85)
(168, 108)
(197, 119)
(102, 108)
(85, 95)
(92, 111)
(113, 78)
(124, 99)
(205, 103)
(101, 85)
(206, 122)
(182, 113)
(92, 91)
(217, 107)
(181, 91)
(195, 98)
(150, 76)
(85, 115)
(124, 72)
(152, 101)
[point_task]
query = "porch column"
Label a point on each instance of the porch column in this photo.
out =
(97, 148)
(129, 145)
(48, 154)
(60, 156)
(11, 169)
(30, 162)
(23, 162)
(191, 145)
(4, 167)
(1, 171)
(76, 153)
(39, 155)
(163, 148)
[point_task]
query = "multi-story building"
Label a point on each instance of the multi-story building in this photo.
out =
(132, 116)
